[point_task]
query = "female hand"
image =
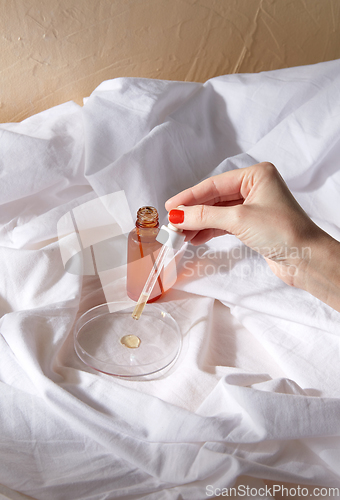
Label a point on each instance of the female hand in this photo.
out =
(256, 205)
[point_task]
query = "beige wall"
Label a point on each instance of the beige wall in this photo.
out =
(52, 51)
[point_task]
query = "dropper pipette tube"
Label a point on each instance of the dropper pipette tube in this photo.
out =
(150, 282)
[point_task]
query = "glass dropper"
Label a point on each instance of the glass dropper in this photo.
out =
(171, 237)
(150, 282)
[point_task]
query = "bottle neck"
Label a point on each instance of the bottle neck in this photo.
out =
(147, 217)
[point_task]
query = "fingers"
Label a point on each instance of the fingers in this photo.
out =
(221, 188)
(229, 188)
(232, 202)
(198, 217)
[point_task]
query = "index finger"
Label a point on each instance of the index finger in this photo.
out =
(220, 188)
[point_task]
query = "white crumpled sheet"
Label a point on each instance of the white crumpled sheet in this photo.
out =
(256, 389)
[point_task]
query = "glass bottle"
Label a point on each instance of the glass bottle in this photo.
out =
(142, 254)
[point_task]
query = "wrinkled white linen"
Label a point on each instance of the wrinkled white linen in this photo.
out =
(256, 389)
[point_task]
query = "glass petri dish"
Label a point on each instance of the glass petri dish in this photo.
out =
(116, 344)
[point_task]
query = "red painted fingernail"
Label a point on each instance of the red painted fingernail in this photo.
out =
(176, 216)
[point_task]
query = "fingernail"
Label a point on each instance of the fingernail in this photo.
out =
(176, 216)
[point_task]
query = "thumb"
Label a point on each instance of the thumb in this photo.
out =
(198, 217)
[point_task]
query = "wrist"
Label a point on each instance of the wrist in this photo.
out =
(319, 270)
